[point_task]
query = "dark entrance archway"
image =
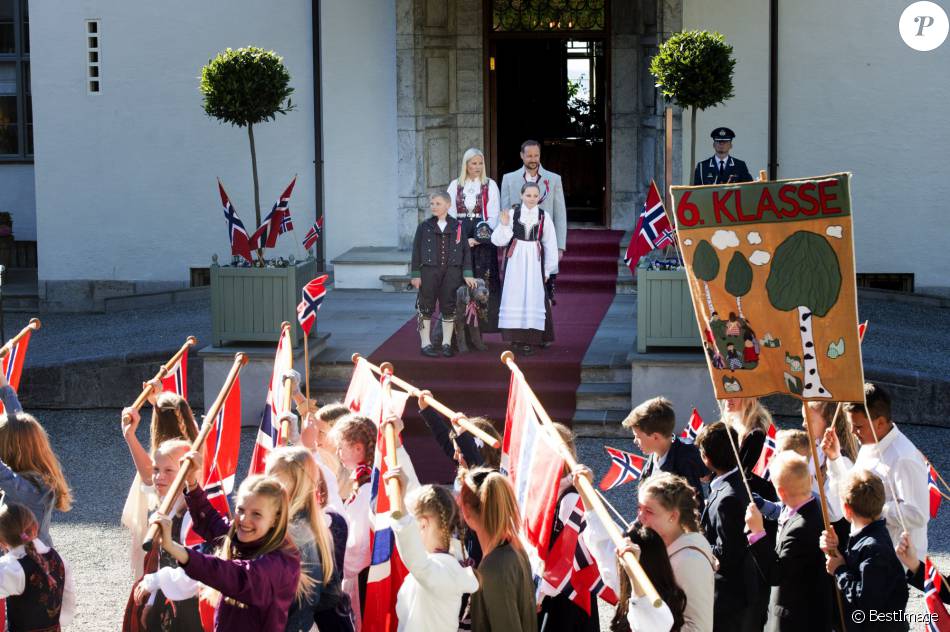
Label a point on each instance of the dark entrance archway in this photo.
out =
(547, 77)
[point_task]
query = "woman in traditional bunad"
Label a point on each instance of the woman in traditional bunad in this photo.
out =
(476, 201)
(530, 259)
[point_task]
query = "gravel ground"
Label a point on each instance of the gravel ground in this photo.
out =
(100, 471)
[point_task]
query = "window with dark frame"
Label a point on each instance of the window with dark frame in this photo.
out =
(16, 103)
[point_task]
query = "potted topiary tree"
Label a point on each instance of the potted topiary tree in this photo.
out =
(694, 69)
(246, 87)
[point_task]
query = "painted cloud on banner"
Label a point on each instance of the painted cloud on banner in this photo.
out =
(723, 239)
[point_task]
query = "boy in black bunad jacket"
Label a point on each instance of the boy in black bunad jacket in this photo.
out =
(441, 263)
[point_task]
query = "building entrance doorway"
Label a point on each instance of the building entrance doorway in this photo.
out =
(552, 87)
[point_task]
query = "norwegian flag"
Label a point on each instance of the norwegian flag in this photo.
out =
(768, 451)
(569, 555)
(586, 582)
(220, 453)
(176, 381)
(692, 429)
(386, 570)
(311, 299)
(624, 468)
(277, 221)
(653, 229)
(268, 435)
(313, 235)
(939, 621)
(862, 329)
(12, 364)
(935, 495)
(532, 465)
(237, 235)
(365, 395)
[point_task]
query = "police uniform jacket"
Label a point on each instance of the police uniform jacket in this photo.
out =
(707, 171)
(433, 247)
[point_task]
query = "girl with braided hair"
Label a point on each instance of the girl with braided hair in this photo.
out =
(172, 419)
(431, 595)
(36, 583)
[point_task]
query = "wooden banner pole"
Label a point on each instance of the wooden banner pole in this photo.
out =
(33, 325)
(162, 372)
(456, 418)
(393, 488)
(287, 387)
(171, 496)
(586, 489)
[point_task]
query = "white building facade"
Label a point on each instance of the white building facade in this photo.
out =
(119, 191)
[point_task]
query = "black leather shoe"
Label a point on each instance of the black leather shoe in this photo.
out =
(430, 351)
(447, 351)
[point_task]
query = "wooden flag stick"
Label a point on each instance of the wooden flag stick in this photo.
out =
(587, 491)
(306, 369)
(287, 390)
(33, 325)
(162, 372)
(393, 488)
(457, 418)
(171, 496)
(735, 451)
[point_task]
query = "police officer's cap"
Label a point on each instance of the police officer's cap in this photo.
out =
(723, 134)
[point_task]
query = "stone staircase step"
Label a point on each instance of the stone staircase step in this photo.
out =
(601, 374)
(599, 423)
(362, 267)
(613, 396)
(396, 283)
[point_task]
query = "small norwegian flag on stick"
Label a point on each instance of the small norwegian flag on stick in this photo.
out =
(935, 495)
(237, 235)
(624, 468)
(939, 620)
(313, 235)
(311, 299)
(653, 229)
(768, 451)
(176, 380)
(693, 428)
(277, 221)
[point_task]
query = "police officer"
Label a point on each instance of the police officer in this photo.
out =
(721, 168)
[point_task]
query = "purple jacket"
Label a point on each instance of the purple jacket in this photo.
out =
(264, 587)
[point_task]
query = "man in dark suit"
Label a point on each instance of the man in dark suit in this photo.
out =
(723, 522)
(721, 168)
(801, 594)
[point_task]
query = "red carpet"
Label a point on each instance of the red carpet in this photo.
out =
(477, 383)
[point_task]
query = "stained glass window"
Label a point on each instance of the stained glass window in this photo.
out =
(549, 15)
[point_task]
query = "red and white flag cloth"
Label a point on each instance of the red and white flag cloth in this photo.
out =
(313, 235)
(692, 429)
(935, 495)
(268, 434)
(939, 620)
(386, 570)
(237, 234)
(653, 229)
(569, 558)
(176, 381)
(220, 454)
(277, 222)
(12, 364)
(534, 467)
(311, 299)
(625, 467)
(768, 451)
(365, 395)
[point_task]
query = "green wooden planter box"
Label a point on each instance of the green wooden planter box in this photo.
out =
(665, 315)
(249, 304)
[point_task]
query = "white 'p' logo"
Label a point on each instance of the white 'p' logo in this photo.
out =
(924, 26)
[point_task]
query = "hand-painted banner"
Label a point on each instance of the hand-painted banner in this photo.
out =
(771, 273)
